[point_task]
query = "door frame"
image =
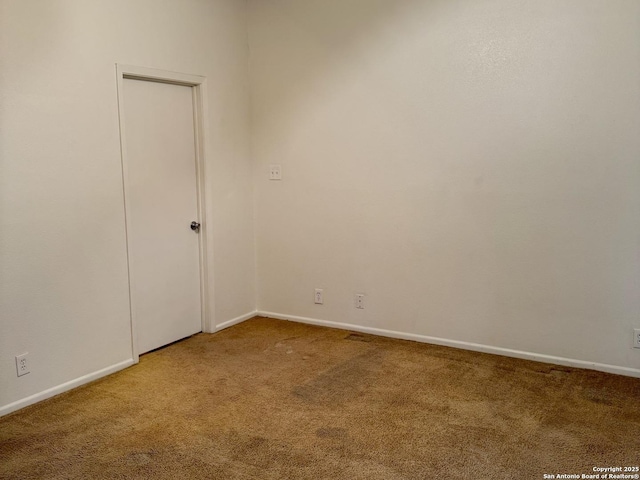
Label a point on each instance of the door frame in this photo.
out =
(198, 87)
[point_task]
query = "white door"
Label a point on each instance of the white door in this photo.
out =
(161, 198)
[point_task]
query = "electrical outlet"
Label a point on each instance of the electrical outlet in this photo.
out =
(275, 172)
(319, 296)
(636, 338)
(359, 301)
(22, 364)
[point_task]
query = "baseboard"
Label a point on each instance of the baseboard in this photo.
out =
(51, 392)
(235, 321)
(568, 362)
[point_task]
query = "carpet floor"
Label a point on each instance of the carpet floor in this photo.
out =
(270, 399)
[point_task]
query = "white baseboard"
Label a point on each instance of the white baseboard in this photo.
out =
(38, 397)
(235, 321)
(568, 362)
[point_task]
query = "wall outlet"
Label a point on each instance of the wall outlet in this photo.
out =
(636, 338)
(359, 301)
(275, 172)
(22, 364)
(319, 297)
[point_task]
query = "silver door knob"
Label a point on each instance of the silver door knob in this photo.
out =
(195, 226)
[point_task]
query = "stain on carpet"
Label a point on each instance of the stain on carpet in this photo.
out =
(342, 382)
(327, 432)
(359, 337)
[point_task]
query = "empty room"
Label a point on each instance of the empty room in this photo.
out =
(309, 239)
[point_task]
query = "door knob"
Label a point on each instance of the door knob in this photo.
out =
(195, 226)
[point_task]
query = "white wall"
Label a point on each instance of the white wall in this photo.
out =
(472, 166)
(63, 272)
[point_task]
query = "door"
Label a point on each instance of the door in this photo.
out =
(162, 202)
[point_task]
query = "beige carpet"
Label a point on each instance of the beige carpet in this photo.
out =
(279, 400)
